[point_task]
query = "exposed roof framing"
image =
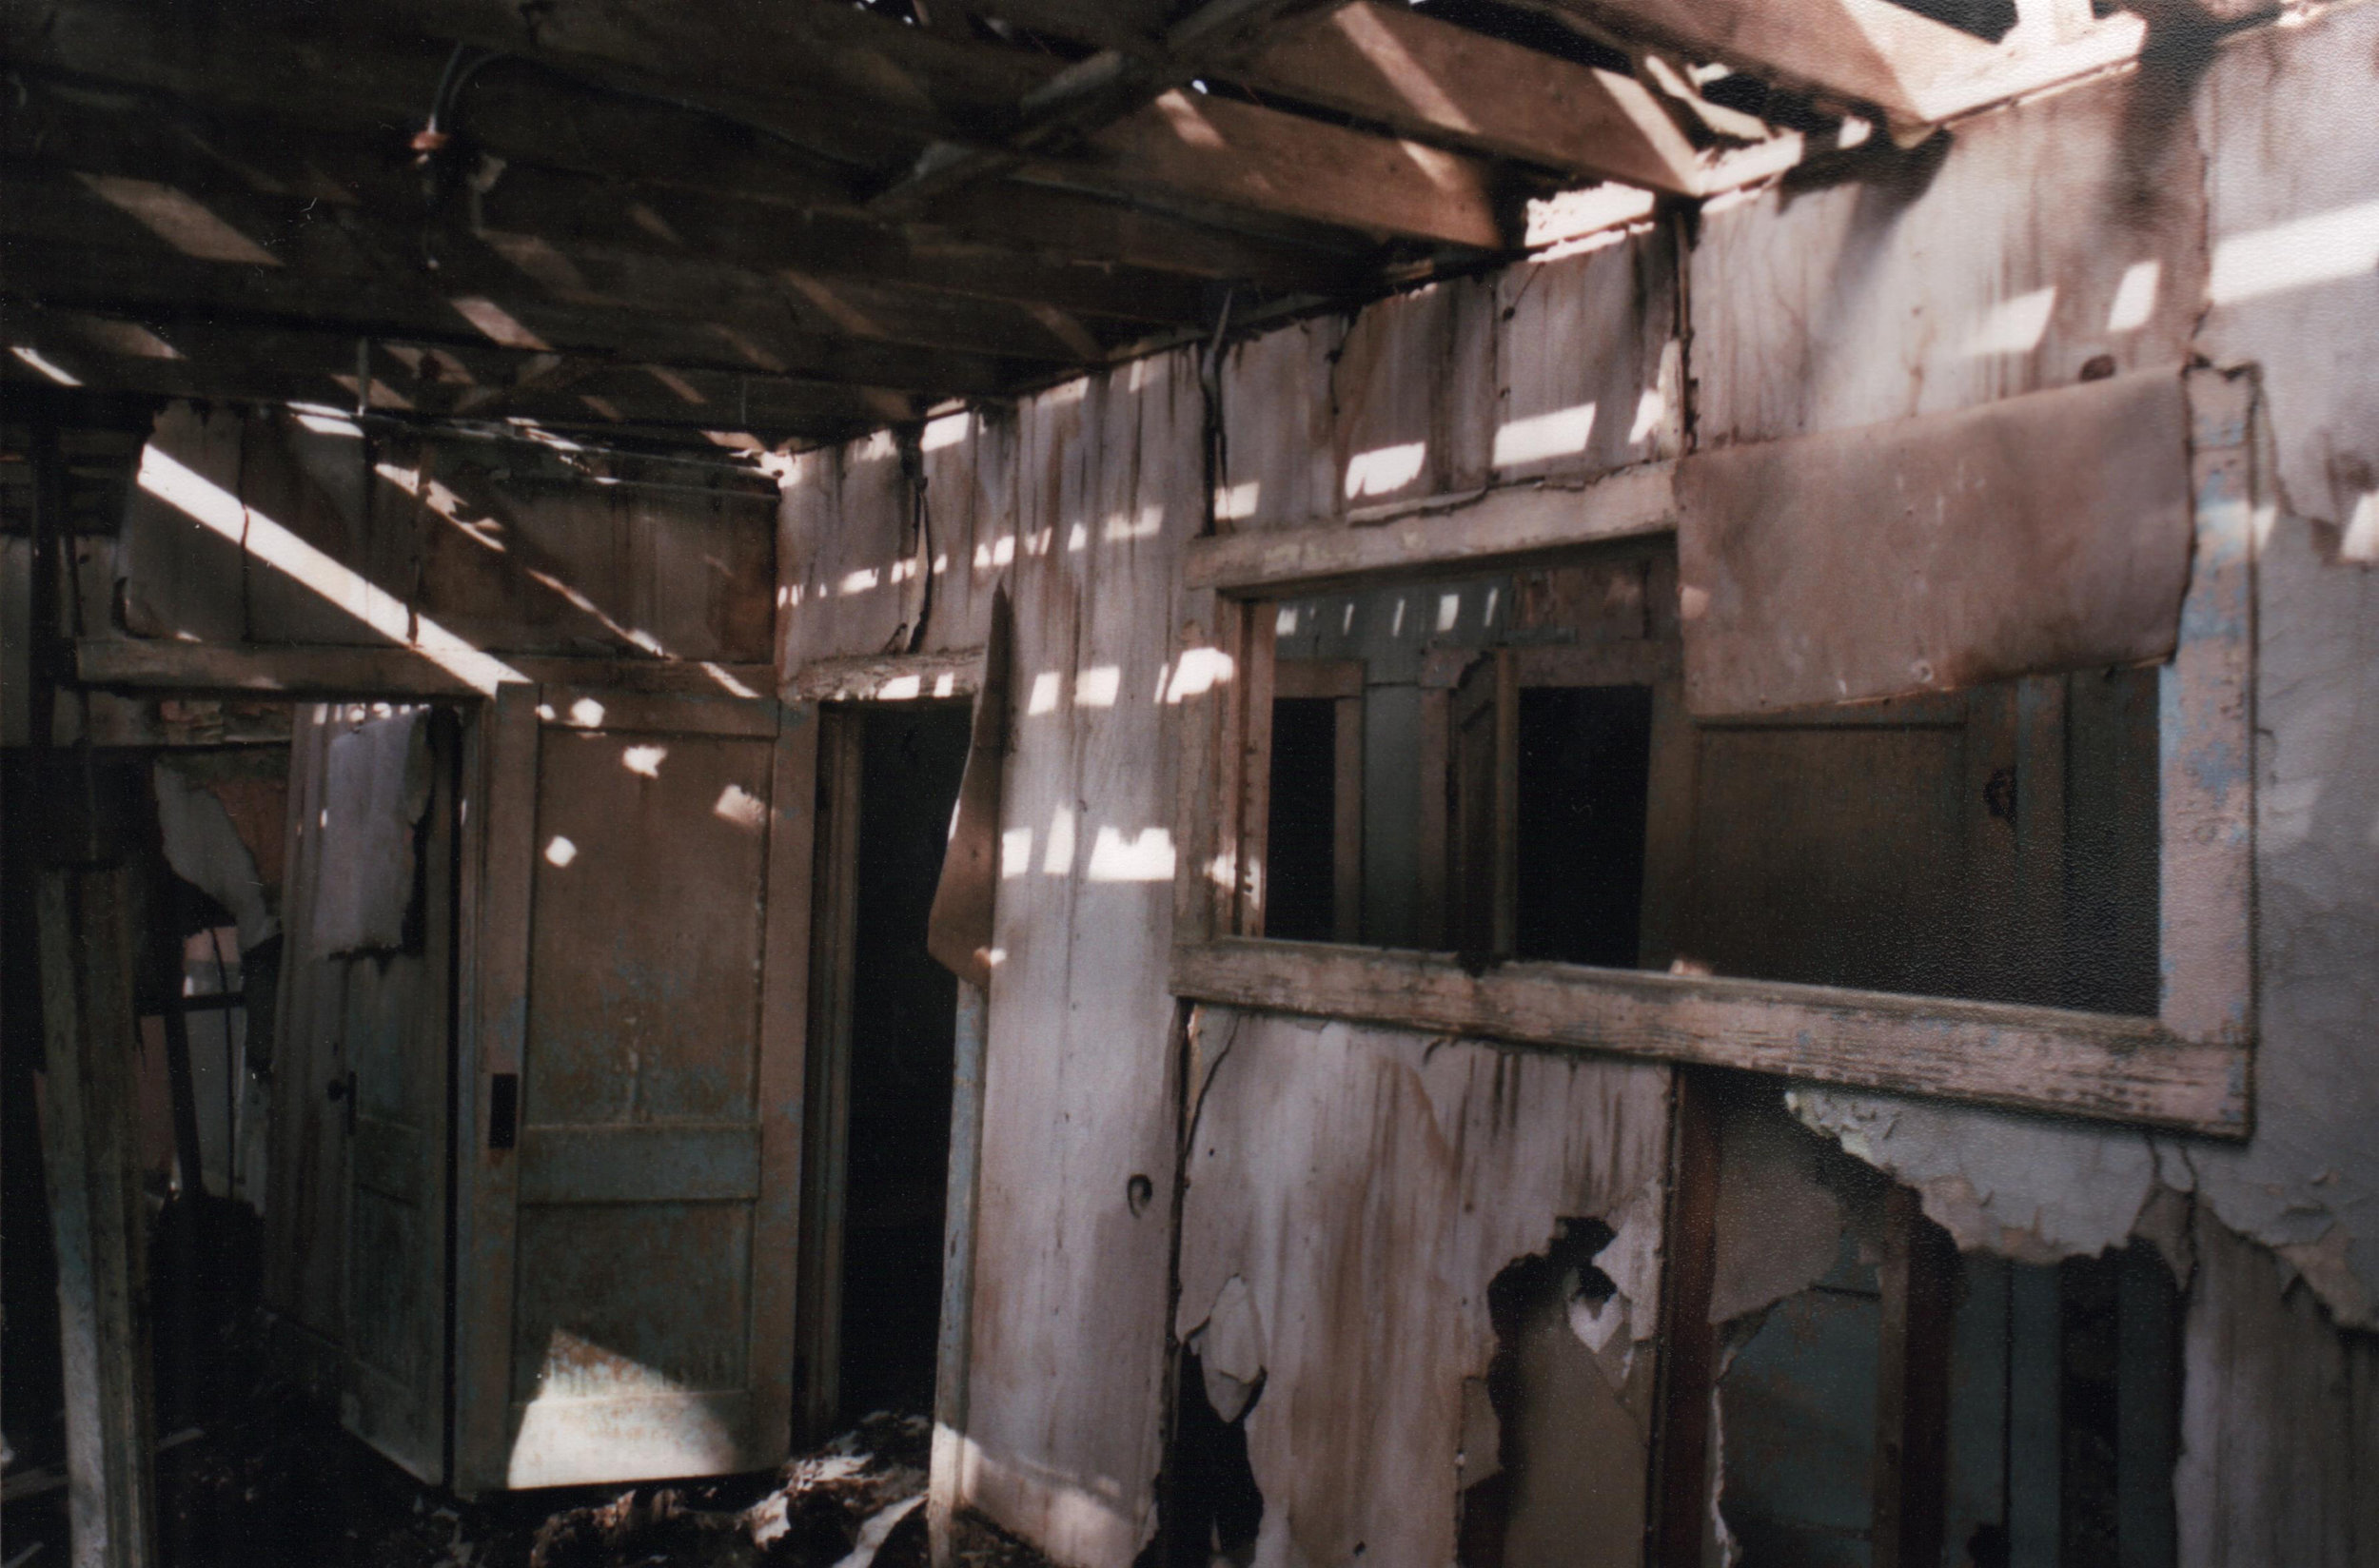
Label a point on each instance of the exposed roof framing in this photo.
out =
(807, 217)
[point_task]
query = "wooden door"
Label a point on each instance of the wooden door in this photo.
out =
(356, 1216)
(398, 1046)
(635, 1109)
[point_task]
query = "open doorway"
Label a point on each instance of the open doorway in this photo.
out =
(881, 1065)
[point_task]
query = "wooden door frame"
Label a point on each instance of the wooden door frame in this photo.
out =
(841, 694)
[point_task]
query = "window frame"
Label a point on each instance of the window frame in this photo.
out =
(2188, 1068)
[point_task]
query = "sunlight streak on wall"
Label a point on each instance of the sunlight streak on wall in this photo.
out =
(218, 510)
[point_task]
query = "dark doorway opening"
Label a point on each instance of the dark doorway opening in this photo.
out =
(903, 1021)
(1302, 840)
(1585, 757)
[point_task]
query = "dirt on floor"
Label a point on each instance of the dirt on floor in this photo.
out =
(275, 1480)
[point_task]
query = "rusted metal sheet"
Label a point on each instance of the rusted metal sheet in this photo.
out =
(2041, 533)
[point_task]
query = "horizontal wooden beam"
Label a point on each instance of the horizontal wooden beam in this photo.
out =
(1439, 83)
(887, 677)
(133, 71)
(316, 673)
(808, 70)
(1222, 150)
(156, 284)
(1464, 533)
(2025, 1058)
(279, 365)
(1088, 95)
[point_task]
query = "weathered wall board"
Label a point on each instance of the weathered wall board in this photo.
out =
(1366, 1186)
(2001, 259)
(1556, 367)
(2036, 534)
(2043, 1059)
(280, 528)
(1068, 1352)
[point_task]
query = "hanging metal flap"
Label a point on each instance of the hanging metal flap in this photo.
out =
(2041, 533)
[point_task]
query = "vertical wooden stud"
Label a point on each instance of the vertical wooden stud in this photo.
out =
(1688, 1374)
(1911, 1488)
(90, 1157)
(785, 945)
(953, 1348)
(1507, 871)
(2206, 729)
(493, 1046)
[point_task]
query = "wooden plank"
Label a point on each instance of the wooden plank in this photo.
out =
(955, 1338)
(492, 1050)
(784, 1076)
(1645, 663)
(1199, 830)
(2041, 1059)
(886, 678)
(1444, 535)
(197, 669)
(2040, 533)
(657, 712)
(1453, 86)
(1255, 772)
(1435, 762)
(1505, 922)
(90, 1162)
(1217, 149)
(1689, 1367)
(1918, 1279)
(1088, 94)
(1317, 677)
(2206, 733)
(1346, 812)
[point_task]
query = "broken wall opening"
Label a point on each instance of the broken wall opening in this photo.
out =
(1538, 1484)
(1881, 1396)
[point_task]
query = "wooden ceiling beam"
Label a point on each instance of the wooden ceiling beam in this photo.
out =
(1451, 86)
(1219, 149)
(261, 256)
(291, 365)
(157, 286)
(541, 125)
(1088, 95)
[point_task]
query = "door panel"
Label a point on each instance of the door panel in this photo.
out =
(357, 1209)
(631, 1237)
(398, 1049)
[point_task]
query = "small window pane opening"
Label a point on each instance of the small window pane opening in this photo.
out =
(1503, 766)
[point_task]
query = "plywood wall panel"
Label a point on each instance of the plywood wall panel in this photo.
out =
(1365, 1186)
